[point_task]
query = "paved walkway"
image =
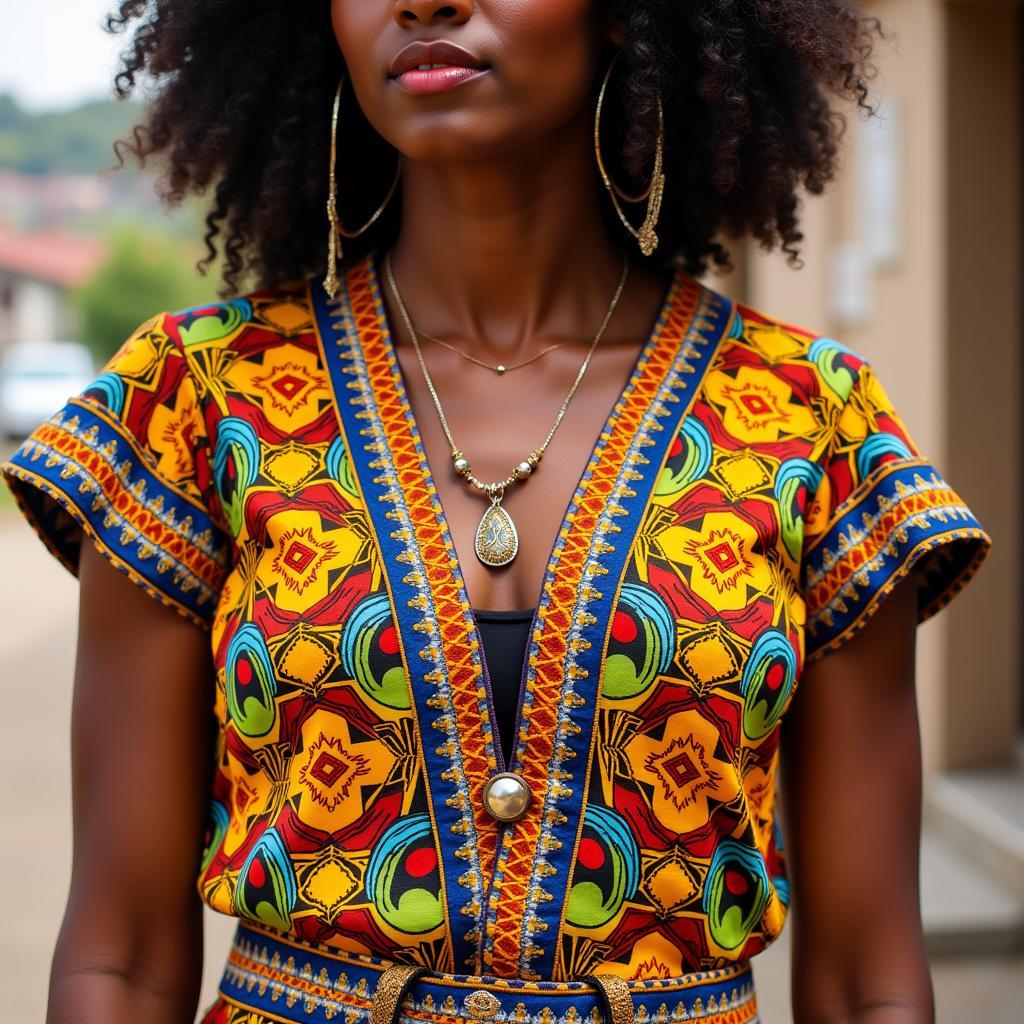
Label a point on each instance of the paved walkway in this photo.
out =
(37, 630)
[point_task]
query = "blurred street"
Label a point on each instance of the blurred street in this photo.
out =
(37, 632)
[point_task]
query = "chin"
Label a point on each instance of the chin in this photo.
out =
(450, 138)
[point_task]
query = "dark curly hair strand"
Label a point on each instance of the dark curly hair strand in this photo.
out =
(241, 94)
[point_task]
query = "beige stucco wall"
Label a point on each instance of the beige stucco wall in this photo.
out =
(935, 315)
(985, 275)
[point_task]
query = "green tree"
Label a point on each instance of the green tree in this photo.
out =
(76, 141)
(144, 274)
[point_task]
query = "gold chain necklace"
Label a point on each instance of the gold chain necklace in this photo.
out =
(497, 541)
(499, 368)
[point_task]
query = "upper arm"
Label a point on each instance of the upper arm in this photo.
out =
(851, 782)
(141, 757)
(886, 543)
(119, 483)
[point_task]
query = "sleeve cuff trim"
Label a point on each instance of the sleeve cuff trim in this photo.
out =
(904, 467)
(908, 498)
(89, 468)
(16, 476)
(86, 444)
(908, 512)
(825, 634)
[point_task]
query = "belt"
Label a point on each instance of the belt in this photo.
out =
(279, 978)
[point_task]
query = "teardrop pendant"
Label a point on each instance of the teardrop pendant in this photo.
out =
(497, 541)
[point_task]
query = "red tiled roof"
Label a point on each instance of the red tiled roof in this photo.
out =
(61, 259)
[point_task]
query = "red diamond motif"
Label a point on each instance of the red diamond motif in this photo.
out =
(298, 556)
(328, 769)
(680, 769)
(756, 405)
(722, 556)
(288, 385)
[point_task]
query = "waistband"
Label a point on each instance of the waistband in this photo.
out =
(284, 979)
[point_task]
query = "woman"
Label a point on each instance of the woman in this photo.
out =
(514, 543)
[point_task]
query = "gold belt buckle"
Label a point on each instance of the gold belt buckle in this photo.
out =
(481, 1004)
(391, 989)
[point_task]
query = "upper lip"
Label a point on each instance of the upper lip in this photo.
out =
(439, 52)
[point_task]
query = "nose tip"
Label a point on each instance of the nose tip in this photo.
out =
(430, 12)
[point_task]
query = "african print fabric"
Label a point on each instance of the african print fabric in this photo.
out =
(750, 501)
(270, 978)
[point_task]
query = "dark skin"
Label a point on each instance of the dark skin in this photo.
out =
(494, 169)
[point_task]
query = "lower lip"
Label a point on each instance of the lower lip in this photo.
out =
(436, 79)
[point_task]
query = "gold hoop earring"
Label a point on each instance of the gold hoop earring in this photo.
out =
(335, 229)
(655, 191)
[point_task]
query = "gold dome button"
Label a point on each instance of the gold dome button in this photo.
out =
(506, 796)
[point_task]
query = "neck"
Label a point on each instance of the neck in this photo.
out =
(507, 254)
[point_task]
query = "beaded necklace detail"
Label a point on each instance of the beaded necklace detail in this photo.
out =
(497, 539)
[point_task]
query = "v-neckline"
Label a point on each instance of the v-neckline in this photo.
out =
(551, 563)
(501, 881)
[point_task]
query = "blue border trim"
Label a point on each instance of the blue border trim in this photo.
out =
(917, 534)
(352, 984)
(44, 480)
(607, 559)
(451, 808)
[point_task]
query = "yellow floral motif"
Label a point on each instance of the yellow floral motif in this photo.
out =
(335, 770)
(330, 771)
(174, 436)
(684, 771)
(723, 558)
(289, 385)
(302, 557)
(757, 405)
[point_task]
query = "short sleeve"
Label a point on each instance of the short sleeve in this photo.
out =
(126, 462)
(880, 512)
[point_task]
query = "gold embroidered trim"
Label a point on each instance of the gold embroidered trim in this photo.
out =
(481, 1004)
(390, 990)
(616, 991)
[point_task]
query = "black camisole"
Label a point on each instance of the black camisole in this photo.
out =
(504, 636)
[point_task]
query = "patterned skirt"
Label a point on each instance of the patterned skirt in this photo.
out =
(273, 978)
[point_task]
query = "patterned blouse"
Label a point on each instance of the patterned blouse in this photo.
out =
(256, 465)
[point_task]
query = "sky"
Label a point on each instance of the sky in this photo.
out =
(54, 53)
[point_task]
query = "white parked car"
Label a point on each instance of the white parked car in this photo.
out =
(37, 378)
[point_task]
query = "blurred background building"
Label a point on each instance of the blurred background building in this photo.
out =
(39, 272)
(914, 258)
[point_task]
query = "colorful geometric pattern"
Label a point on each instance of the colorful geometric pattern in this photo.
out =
(270, 978)
(750, 501)
(127, 460)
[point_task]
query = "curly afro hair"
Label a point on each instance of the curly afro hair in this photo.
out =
(242, 91)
